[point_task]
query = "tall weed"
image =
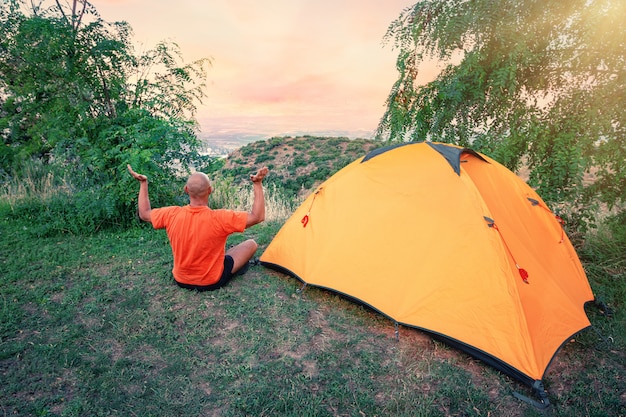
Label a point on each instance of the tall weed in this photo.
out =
(51, 204)
(34, 180)
(606, 246)
(226, 194)
(604, 257)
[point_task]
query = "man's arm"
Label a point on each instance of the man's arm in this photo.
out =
(257, 214)
(143, 200)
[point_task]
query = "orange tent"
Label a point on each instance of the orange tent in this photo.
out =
(446, 240)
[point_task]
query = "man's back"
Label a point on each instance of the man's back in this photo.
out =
(198, 237)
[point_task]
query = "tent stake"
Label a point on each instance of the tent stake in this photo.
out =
(301, 289)
(397, 332)
(540, 392)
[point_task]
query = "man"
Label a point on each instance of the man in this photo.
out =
(198, 234)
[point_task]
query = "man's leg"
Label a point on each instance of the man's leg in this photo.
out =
(242, 253)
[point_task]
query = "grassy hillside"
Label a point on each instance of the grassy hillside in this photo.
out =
(297, 164)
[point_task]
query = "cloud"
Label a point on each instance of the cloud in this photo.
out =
(314, 63)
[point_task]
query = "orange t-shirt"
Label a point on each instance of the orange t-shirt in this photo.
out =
(198, 239)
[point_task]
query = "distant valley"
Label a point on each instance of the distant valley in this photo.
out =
(224, 143)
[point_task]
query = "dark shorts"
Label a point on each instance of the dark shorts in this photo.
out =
(224, 279)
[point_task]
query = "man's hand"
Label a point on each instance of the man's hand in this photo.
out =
(257, 214)
(138, 177)
(143, 201)
(261, 173)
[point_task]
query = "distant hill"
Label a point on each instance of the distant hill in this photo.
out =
(297, 164)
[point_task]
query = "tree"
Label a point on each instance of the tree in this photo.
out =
(59, 75)
(528, 82)
(74, 94)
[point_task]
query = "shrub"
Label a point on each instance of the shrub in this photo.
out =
(263, 157)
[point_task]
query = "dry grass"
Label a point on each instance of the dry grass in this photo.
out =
(35, 182)
(276, 208)
(227, 194)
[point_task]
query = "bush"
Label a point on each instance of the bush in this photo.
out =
(262, 158)
(55, 199)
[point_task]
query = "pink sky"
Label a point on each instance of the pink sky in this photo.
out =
(279, 66)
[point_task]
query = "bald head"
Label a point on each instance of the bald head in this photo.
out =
(198, 185)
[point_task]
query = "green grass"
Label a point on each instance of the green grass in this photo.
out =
(93, 325)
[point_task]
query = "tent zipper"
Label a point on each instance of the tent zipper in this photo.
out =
(522, 272)
(305, 219)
